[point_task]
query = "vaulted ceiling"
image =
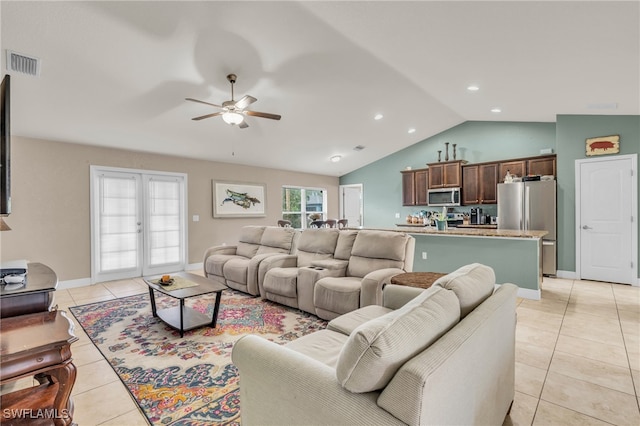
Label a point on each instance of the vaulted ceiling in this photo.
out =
(116, 73)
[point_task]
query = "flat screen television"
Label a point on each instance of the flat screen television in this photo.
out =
(5, 147)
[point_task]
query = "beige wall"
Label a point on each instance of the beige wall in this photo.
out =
(50, 200)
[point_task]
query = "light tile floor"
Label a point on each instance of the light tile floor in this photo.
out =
(577, 357)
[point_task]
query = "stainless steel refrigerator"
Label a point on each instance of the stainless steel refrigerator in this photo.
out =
(531, 206)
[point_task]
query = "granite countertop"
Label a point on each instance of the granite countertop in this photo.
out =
(471, 232)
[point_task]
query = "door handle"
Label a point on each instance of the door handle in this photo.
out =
(586, 227)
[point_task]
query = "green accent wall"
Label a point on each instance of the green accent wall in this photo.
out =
(571, 134)
(492, 141)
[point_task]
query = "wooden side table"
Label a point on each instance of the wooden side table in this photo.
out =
(416, 279)
(37, 345)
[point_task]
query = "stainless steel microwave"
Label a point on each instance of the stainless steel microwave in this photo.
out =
(443, 197)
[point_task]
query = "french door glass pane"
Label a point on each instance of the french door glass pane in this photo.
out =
(164, 222)
(118, 218)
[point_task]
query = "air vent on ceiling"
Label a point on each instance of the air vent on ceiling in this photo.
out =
(22, 63)
(358, 148)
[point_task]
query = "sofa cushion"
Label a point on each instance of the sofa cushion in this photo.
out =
(373, 250)
(380, 245)
(215, 263)
(377, 349)
(236, 270)
(345, 244)
(337, 294)
(323, 346)
(281, 281)
(276, 239)
(472, 283)
(249, 240)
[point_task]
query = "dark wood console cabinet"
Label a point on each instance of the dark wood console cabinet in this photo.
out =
(36, 295)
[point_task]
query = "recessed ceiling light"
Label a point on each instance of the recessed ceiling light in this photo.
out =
(496, 110)
(473, 88)
(411, 130)
(335, 158)
(378, 117)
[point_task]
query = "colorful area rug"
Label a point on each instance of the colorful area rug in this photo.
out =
(190, 380)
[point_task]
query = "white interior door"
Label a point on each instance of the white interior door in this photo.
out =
(138, 223)
(351, 204)
(606, 212)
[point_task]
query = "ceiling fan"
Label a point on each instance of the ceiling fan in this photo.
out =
(233, 112)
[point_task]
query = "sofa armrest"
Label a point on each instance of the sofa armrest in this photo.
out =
(253, 272)
(396, 296)
(372, 283)
(282, 386)
(221, 249)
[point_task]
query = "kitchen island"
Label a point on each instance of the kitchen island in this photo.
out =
(515, 256)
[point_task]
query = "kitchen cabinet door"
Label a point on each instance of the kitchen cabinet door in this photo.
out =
(452, 175)
(542, 166)
(408, 188)
(436, 176)
(516, 168)
(488, 178)
(421, 186)
(445, 175)
(470, 185)
(480, 184)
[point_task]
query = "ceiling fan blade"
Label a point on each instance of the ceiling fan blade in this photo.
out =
(202, 102)
(207, 116)
(243, 125)
(245, 102)
(263, 115)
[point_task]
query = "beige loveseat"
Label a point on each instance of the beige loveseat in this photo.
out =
(237, 266)
(333, 272)
(442, 356)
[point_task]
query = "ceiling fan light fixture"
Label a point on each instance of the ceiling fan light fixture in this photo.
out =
(232, 118)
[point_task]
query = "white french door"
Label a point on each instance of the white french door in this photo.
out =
(138, 223)
(351, 204)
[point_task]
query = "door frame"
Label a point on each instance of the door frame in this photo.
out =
(93, 171)
(634, 211)
(341, 203)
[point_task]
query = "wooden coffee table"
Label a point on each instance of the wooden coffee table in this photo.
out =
(181, 317)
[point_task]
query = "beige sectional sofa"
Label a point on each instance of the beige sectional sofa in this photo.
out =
(333, 272)
(237, 266)
(440, 356)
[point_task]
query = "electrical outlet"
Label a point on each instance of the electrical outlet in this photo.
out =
(397, 215)
(424, 255)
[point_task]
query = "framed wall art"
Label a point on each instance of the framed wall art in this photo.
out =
(238, 199)
(603, 145)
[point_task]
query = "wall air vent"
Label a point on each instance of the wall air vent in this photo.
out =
(358, 148)
(22, 63)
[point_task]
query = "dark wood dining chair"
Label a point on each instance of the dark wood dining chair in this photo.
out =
(317, 224)
(343, 223)
(330, 223)
(284, 223)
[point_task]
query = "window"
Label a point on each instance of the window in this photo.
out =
(301, 206)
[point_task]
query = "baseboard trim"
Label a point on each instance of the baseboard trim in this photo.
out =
(569, 275)
(527, 293)
(81, 282)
